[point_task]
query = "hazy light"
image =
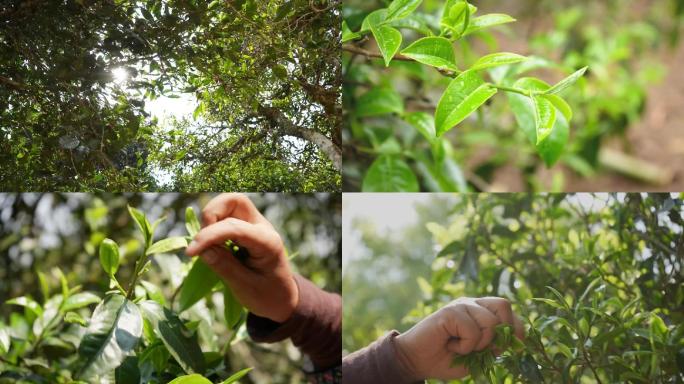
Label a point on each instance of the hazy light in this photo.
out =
(120, 75)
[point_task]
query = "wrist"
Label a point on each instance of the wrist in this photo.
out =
(290, 301)
(404, 355)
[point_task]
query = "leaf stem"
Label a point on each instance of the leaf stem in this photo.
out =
(364, 52)
(138, 267)
(512, 90)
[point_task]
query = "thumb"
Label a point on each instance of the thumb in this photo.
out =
(223, 263)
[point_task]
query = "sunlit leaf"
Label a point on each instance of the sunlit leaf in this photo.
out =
(465, 94)
(114, 331)
(434, 51)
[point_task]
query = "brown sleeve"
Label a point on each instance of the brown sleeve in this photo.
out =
(377, 363)
(315, 326)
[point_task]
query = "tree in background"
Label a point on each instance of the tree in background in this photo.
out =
(76, 76)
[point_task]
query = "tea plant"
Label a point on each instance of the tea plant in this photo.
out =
(469, 82)
(597, 280)
(133, 335)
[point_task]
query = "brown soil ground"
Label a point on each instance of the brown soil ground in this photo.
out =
(658, 138)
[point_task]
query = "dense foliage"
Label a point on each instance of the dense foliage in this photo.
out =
(597, 279)
(396, 120)
(157, 317)
(263, 77)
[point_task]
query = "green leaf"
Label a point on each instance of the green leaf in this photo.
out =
(190, 379)
(179, 340)
(379, 101)
(567, 82)
(197, 284)
(559, 296)
(114, 331)
(497, 59)
(456, 16)
(168, 245)
(44, 286)
(128, 372)
(192, 224)
(236, 376)
(561, 105)
(423, 122)
(433, 51)
(156, 354)
(232, 309)
(465, 94)
(551, 149)
(142, 223)
(153, 291)
(389, 41)
(374, 18)
(74, 318)
(109, 256)
(347, 34)
(452, 249)
(399, 9)
(486, 21)
(27, 303)
(5, 340)
(390, 174)
(79, 300)
(544, 117)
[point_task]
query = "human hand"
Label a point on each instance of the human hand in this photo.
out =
(263, 283)
(463, 326)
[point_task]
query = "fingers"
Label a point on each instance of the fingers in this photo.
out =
(503, 310)
(245, 234)
(486, 321)
(471, 323)
(499, 307)
(221, 262)
(235, 205)
(463, 329)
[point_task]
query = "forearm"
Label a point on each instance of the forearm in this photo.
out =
(315, 326)
(378, 363)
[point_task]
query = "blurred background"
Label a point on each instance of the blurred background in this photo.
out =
(42, 232)
(627, 132)
(511, 245)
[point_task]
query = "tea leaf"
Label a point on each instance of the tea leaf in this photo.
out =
(567, 82)
(197, 284)
(390, 174)
(114, 331)
(389, 41)
(109, 256)
(168, 245)
(434, 51)
(465, 94)
(192, 224)
(399, 9)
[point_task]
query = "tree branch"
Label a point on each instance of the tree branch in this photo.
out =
(285, 127)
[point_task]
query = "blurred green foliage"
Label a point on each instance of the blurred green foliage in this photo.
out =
(613, 262)
(48, 238)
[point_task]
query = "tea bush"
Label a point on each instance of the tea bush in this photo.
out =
(597, 280)
(371, 92)
(179, 328)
